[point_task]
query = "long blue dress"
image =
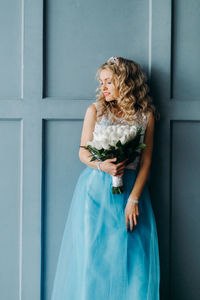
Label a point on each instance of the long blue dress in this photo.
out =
(99, 259)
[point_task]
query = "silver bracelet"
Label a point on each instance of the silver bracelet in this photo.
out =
(133, 200)
(98, 165)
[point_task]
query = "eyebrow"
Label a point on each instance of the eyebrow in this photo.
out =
(106, 78)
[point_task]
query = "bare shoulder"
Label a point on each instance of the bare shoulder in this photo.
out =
(88, 125)
(91, 113)
(151, 119)
(92, 108)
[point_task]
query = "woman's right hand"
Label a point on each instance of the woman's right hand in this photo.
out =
(109, 167)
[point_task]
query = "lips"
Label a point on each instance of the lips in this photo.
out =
(106, 94)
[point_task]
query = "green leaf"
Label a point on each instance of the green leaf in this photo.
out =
(93, 158)
(139, 131)
(141, 146)
(119, 144)
(85, 147)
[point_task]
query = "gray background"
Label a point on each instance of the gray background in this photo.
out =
(49, 54)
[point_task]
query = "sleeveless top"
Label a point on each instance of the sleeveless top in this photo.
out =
(141, 120)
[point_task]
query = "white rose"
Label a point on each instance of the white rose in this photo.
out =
(109, 129)
(102, 136)
(112, 142)
(126, 131)
(97, 145)
(123, 140)
(96, 136)
(120, 131)
(114, 136)
(105, 145)
(129, 137)
(90, 143)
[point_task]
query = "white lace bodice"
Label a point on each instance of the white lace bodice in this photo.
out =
(141, 120)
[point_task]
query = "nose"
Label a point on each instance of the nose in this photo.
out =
(104, 86)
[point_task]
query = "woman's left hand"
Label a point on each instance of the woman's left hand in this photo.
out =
(131, 214)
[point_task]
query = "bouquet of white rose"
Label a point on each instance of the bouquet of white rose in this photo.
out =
(121, 141)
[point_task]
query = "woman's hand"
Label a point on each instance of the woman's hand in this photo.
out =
(131, 214)
(113, 169)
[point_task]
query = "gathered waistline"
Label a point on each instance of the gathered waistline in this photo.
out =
(134, 168)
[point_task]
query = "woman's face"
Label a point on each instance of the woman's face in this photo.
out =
(107, 85)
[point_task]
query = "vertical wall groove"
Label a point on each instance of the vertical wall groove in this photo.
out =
(21, 212)
(22, 49)
(150, 39)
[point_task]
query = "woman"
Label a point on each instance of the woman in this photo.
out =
(109, 248)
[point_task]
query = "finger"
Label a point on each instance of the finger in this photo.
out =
(124, 161)
(131, 223)
(127, 223)
(137, 211)
(121, 167)
(120, 175)
(120, 170)
(120, 164)
(112, 159)
(135, 220)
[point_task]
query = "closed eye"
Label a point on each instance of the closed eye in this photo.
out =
(107, 82)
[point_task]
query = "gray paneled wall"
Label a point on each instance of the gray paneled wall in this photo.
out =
(81, 35)
(174, 181)
(10, 207)
(185, 221)
(186, 49)
(11, 54)
(49, 54)
(61, 169)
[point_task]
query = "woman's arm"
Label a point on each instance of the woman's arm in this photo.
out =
(131, 209)
(87, 135)
(145, 160)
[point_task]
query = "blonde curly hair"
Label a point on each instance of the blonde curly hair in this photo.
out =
(133, 90)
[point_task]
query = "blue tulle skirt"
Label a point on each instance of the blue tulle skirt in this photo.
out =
(99, 259)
